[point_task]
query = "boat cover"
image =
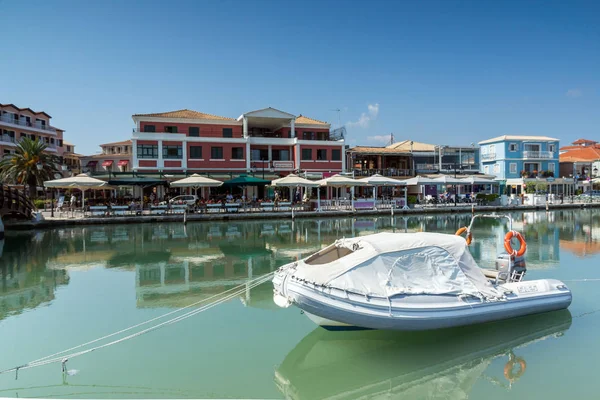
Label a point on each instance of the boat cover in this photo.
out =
(388, 264)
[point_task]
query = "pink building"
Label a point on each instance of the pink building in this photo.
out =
(17, 123)
(269, 139)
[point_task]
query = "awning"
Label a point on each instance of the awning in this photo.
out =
(123, 163)
(107, 163)
(91, 163)
(137, 181)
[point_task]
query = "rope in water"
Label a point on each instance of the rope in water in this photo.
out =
(49, 360)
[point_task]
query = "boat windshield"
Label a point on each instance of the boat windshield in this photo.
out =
(328, 254)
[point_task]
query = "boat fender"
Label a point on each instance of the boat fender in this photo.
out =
(469, 237)
(509, 368)
(508, 245)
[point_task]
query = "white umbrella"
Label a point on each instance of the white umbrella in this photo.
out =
(473, 180)
(420, 180)
(380, 180)
(339, 181)
(293, 180)
(82, 182)
(448, 180)
(196, 181)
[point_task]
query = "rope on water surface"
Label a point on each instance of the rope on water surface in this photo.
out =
(63, 359)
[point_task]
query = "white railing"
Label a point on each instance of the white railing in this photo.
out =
(21, 122)
(488, 156)
(538, 154)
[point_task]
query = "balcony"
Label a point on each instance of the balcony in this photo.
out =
(31, 125)
(7, 139)
(488, 156)
(544, 155)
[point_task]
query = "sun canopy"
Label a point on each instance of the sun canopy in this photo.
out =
(245, 180)
(78, 181)
(340, 181)
(196, 181)
(294, 180)
(420, 180)
(137, 181)
(380, 180)
(473, 180)
(389, 264)
(448, 180)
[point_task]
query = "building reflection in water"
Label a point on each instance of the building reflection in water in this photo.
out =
(176, 265)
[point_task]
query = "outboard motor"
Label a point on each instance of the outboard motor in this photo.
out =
(510, 268)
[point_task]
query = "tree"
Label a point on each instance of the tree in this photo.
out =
(22, 166)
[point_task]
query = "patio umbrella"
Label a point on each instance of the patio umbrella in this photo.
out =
(448, 180)
(293, 180)
(338, 181)
(245, 180)
(82, 182)
(380, 180)
(420, 180)
(473, 180)
(196, 181)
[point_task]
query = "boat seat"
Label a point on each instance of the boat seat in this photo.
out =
(490, 273)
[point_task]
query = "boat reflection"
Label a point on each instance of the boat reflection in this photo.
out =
(439, 364)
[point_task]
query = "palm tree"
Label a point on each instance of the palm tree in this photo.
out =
(30, 165)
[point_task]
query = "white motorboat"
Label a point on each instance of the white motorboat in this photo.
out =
(413, 281)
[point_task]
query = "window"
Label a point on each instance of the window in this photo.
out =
(513, 168)
(281, 155)
(23, 135)
(147, 151)
(307, 135)
(237, 153)
(486, 169)
(496, 168)
(172, 152)
(552, 148)
(321, 154)
(551, 167)
(259, 154)
(227, 132)
(307, 154)
(194, 131)
(216, 153)
(336, 155)
(171, 129)
(52, 140)
(60, 143)
(513, 147)
(196, 152)
(149, 128)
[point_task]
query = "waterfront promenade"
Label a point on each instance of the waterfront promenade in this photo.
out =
(77, 218)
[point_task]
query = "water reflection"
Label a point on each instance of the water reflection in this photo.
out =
(176, 265)
(433, 365)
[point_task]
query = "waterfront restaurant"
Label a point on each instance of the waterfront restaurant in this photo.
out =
(409, 158)
(581, 162)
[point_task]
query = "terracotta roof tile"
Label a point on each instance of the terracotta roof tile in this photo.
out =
(416, 146)
(580, 154)
(123, 143)
(376, 150)
(301, 119)
(583, 141)
(184, 114)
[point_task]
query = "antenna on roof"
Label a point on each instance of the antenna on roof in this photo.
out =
(391, 139)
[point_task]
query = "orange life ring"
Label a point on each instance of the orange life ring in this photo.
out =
(462, 230)
(508, 245)
(510, 366)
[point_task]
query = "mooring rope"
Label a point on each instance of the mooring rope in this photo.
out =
(240, 289)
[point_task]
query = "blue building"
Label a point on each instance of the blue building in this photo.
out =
(514, 157)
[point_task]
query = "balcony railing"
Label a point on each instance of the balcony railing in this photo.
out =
(538, 154)
(385, 172)
(488, 156)
(7, 139)
(21, 122)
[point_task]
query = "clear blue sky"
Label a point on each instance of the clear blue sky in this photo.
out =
(447, 72)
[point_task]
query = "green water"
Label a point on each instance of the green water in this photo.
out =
(64, 287)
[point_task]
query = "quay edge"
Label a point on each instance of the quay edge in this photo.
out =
(66, 222)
